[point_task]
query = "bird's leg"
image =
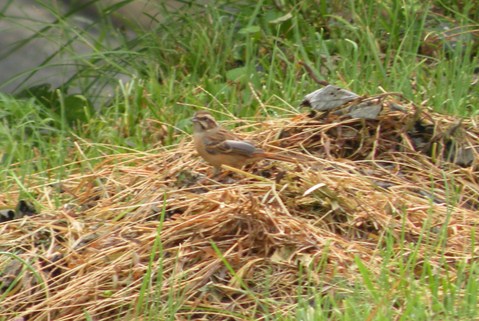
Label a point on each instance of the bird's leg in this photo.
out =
(217, 171)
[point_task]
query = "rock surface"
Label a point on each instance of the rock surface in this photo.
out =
(22, 49)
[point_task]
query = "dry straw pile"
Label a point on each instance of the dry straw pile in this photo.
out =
(235, 247)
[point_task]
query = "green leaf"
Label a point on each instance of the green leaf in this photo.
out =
(77, 109)
(249, 30)
(237, 74)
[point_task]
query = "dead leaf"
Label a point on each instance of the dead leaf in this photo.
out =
(328, 98)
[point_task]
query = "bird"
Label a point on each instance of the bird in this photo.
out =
(218, 146)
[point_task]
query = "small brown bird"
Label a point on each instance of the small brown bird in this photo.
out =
(219, 146)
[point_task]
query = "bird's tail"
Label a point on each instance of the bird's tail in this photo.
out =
(283, 158)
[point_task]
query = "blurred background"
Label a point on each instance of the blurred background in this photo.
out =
(45, 41)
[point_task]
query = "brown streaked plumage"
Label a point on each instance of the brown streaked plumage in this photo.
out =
(219, 146)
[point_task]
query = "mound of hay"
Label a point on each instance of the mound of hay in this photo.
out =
(226, 249)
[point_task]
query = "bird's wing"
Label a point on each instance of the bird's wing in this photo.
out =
(237, 147)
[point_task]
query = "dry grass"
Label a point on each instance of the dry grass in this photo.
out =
(371, 179)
